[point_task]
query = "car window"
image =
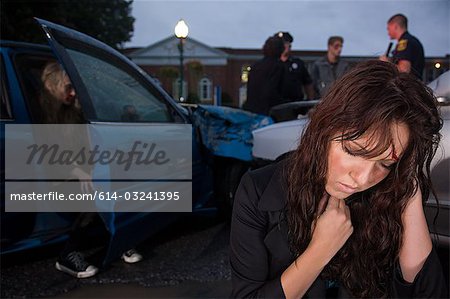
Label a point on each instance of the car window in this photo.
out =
(5, 108)
(116, 95)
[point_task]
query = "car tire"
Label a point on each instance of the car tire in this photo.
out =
(227, 176)
(16, 226)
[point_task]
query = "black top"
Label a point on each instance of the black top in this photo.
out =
(409, 48)
(259, 248)
(296, 75)
(264, 85)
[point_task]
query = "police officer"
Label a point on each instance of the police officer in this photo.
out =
(408, 54)
(296, 78)
(266, 78)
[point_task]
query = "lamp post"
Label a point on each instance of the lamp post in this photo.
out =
(181, 32)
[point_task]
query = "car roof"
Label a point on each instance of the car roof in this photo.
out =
(16, 44)
(441, 85)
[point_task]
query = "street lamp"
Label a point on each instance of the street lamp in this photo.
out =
(181, 32)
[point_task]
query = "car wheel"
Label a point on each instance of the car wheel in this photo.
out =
(16, 226)
(227, 176)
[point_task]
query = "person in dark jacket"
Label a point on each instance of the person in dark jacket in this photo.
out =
(297, 80)
(265, 79)
(343, 215)
(408, 54)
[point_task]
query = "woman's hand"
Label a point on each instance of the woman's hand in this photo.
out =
(332, 229)
(384, 58)
(330, 232)
(84, 178)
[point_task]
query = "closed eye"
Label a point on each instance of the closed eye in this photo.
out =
(385, 164)
(388, 166)
(349, 151)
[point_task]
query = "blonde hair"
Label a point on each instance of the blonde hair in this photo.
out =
(52, 75)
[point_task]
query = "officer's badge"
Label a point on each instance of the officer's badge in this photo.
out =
(402, 44)
(294, 66)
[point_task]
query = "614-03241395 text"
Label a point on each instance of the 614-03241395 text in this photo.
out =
(136, 195)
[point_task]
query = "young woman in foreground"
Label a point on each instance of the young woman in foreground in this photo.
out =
(343, 215)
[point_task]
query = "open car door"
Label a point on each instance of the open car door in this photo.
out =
(122, 106)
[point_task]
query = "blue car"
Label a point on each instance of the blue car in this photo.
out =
(105, 82)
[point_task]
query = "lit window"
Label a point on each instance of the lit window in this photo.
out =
(205, 89)
(244, 73)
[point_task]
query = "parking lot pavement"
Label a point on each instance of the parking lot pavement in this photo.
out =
(187, 260)
(187, 289)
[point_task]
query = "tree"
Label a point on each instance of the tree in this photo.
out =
(195, 71)
(107, 20)
(167, 75)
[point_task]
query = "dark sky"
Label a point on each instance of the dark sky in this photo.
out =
(246, 24)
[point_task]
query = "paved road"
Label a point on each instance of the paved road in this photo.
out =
(186, 289)
(187, 260)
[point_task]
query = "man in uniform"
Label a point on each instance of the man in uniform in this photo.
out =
(296, 78)
(408, 54)
(328, 68)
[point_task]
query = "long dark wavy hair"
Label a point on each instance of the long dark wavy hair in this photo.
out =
(367, 100)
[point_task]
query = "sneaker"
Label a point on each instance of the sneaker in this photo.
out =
(132, 256)
(75, 265)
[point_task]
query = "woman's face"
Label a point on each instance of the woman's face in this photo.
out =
(63, 90)
(348, 174)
